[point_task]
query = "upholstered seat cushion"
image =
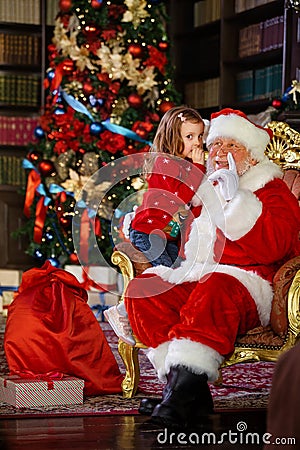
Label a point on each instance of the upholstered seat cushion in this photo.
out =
(292, 179)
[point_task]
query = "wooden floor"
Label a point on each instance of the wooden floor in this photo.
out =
(129, 432)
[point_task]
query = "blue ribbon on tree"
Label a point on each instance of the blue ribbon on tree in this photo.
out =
(118, 129)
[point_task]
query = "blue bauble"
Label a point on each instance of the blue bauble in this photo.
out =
(59, 111)
(49, 236)
(38, 254)
(96, 101)
(39, 132)
(54, 261)
(96, 128)
(51, 75)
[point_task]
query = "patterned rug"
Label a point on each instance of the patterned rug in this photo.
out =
(245, 386)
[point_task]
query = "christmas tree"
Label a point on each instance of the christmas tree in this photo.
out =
(108, 83)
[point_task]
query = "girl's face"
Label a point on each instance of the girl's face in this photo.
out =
(192, 136)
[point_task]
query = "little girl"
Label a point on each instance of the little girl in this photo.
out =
(157, 226)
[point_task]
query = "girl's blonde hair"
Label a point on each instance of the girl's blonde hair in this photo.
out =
(168, 135)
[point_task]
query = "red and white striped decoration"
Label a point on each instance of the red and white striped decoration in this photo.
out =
(29, 393)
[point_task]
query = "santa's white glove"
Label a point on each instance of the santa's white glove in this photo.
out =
(127, 221)
(227, 179)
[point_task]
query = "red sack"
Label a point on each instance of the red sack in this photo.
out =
(50, 327)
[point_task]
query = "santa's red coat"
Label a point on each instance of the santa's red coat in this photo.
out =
(192, 315)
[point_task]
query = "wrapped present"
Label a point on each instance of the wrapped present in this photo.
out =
(10, 277)
(7, 294)
(33, 392)
(99, 301)
(103, 278)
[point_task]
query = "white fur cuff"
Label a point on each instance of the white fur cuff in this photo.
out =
(196, 357)
(157, 357)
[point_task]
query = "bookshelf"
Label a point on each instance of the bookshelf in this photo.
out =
(234, 53)
(26, 27)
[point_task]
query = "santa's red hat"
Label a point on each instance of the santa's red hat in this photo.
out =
(231, 123)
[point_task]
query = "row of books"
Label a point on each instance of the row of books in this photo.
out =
(19, 89)
(259, 84)
(202, 94)
(261, 37)
(11, 171)
(51, 11)
(19, 49)
(244, 5)
(206, 11)
(17, 130)
(20, 11)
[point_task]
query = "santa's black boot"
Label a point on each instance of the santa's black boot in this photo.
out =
(186, 400)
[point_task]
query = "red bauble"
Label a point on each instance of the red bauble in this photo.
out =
(277, 103)
(87, 88)
(135, 50)
(165, 106)
(135, 100)
(73, 258)
(68, 66)
(65, 5)
(163, 46)
(91, 31)
(34, 156)
(96, 4)
(46, 168)
(65, 222)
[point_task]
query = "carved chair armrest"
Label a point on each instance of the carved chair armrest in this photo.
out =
(130, 260)
(281, 308)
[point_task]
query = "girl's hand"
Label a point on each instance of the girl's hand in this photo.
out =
(197, 155)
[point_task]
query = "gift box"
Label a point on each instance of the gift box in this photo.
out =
(100, 301)
(95, 277)
(7, 294)
(10, 277)
(32, 392)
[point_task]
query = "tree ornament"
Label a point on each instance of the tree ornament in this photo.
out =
(51, 75)
(73, 258)
(49, 236)
(277, 103)
(163, 46)
(165, 106)
(135, 100)
(87, 87)
(39, 132)
(59, 110)
(96, 4)
(34, 156)
(68, 66)
(65, 222)
(91, 31)
(96, 128)
(38, 254)
(46, 168)
(135, 50)
(54, 261)
(65, 5)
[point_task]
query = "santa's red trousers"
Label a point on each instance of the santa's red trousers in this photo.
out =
(212, 311)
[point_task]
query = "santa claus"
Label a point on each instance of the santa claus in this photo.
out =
(189, 317)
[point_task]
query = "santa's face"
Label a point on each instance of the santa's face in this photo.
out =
(218, 151)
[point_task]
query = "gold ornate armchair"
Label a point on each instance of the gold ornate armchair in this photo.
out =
(262, 343)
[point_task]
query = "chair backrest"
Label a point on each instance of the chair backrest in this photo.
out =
(284, 150)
